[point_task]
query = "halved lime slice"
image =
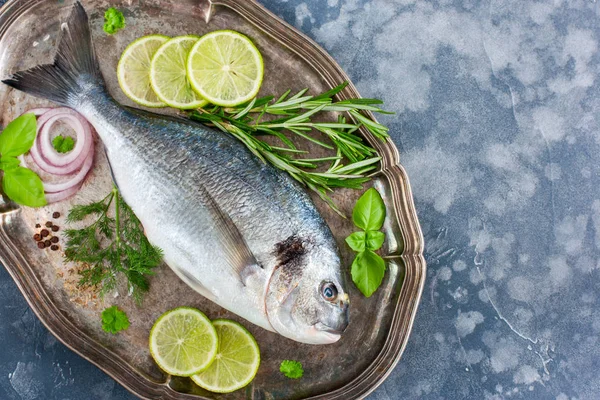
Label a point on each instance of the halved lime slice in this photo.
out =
(225, 68)
(183, 341)
(133, 70)
(237, 361)
(168, 74)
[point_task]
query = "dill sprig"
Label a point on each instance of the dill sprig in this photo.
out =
(295, 114)
(111, 246)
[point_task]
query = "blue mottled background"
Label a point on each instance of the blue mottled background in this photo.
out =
(497, 109)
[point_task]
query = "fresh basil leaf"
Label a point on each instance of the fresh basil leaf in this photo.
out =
(24, 187)
(374, 240)
(367, 272)
(356, 241)
(18, 136)
(369, 211)
(7, 163)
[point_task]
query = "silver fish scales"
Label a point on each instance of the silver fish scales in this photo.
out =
(238, 231)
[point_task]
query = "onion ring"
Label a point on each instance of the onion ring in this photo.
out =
(77, 162)
(43, 152)
(59, 196)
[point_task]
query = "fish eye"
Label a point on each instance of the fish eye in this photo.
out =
(329, 291)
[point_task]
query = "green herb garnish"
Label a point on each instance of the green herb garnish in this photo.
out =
(368, 267)
(291, 369)
(63, 144)
(111, 247)
(113, 21)
(21, 185)
(295, 114)
(114, 320)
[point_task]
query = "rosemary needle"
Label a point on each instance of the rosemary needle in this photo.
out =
(293, 114)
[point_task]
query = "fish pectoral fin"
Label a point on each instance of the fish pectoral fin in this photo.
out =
(234, 246)
(110, 168)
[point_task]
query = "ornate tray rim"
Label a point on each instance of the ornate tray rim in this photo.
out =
(413, 242)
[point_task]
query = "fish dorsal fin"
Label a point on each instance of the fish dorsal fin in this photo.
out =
(165, 117)
(236, 250)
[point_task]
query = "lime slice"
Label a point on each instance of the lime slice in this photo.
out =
(225, 68)
(168, 76)
(237, 359)
(133, 71)
(183, 341)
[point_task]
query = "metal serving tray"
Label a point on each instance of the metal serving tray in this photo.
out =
(380, 325)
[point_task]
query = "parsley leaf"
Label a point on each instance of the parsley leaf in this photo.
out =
(63, 144)
(291, 369)
(113, 21)
(114, 320)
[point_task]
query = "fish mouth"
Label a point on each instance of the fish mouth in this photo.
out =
(325, 328)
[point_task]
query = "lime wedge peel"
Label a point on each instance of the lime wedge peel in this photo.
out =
(225, 68)
(133, 70)
(237, 360)
(168, 74)
(183, 341)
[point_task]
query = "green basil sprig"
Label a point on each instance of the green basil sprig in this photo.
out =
(368, 267)
(20, 184)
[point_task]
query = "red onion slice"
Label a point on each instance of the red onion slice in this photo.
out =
(77, 162)
(43, 152)
(59, 196)
(38, 111)
(75, 180)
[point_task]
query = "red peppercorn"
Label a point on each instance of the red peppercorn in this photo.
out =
(54, 239)
(47, 242)
(37, 237)
(55, 228)
(41, 245)
(48, 224)
(54, 247)
(38, 226)
(55, 214)
(44, 233)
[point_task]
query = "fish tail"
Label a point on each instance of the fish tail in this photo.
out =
(74, 71)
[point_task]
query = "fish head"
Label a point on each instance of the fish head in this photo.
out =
(306, 298)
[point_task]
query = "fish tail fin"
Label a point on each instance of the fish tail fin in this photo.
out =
(74, 71)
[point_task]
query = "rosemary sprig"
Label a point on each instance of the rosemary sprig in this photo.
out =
(295, 114)
(111, 246)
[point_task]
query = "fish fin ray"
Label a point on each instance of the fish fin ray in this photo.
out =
(110, 169)
(238, 254)
(74, 67)
(165, 117)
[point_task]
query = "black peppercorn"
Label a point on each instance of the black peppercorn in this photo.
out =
(47, 242)
(56, 214)
(54, 247)
(44, 233)
(48, 224)
(54, 239)
(55, 228)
